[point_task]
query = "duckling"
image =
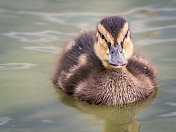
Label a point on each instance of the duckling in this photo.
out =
(104, 67)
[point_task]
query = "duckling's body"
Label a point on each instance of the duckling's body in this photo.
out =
(83, 73)
(77, 63)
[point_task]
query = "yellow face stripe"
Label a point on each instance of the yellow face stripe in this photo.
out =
(101, 47)
(122, 33)
(107, 35)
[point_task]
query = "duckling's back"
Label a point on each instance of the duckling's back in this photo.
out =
(77, 62)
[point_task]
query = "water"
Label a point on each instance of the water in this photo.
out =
(33, 32)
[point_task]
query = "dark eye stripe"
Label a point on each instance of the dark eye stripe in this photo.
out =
(109, 44)
(122, 44)
(126, 35)
(103, 37)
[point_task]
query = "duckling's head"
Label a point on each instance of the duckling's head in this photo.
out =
(114, 44)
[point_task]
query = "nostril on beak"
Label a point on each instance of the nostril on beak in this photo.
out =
(112, 52)
(123, 64)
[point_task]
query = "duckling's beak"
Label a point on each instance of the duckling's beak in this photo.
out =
(116, 56)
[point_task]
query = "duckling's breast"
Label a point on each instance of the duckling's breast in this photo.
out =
(112, 87)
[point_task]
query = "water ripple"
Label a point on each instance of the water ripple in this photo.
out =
(78, 19)
(141, 18)
(147, 42)
(171, 103)
(4, 120)
(44, 36)
(48, 49)
(147, 9)
(67, 18)
(40, 23)
(46, 121)
(142, 24)
(169, 60)
(172, 114)
(12, 66)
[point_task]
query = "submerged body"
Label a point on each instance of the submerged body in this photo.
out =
(83, 72)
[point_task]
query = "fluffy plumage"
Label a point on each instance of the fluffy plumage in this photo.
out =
(83, 74)
(111, 26)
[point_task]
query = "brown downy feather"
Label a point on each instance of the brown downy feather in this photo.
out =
(81, 73)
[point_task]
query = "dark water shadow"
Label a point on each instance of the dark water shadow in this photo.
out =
(119, 118)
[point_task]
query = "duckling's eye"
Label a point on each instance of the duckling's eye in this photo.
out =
(102, 36)
(126, 35)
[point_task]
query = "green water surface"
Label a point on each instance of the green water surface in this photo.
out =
(33, 32)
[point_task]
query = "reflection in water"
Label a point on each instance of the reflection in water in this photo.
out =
(148, 12)
(116, 118)
(150, 34)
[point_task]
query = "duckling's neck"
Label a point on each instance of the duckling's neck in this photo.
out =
(108, 66)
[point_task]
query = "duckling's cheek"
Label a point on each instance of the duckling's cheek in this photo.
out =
(107, 52)
(124, 53)
(101, 40)
(101, 51)
(105, 57)
(128, 48)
